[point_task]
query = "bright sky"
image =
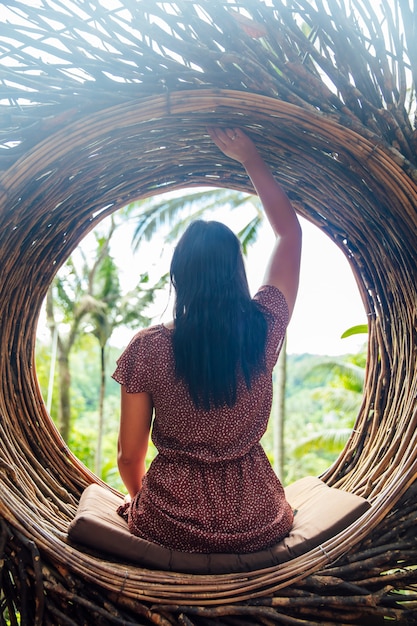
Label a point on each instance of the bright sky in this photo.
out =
(328, 302)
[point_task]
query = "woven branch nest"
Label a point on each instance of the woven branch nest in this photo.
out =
(59, 191)
(73, 151)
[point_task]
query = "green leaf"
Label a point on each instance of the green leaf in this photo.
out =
(359, 329)
(249, 233)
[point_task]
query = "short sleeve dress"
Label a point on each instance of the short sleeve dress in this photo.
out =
(211, 487)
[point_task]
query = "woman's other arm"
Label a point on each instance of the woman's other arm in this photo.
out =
(283, 267)
(132, 446)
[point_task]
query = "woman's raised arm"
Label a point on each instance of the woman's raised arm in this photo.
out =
(283, 267)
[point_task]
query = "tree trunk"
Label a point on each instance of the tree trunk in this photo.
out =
(64, 417)
(101, 412)
(279, 421)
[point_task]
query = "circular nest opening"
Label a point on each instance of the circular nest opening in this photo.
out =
(53, 196)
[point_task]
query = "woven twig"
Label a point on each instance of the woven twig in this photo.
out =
(75, 152)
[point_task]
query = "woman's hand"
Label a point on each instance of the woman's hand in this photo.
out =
(234, 143)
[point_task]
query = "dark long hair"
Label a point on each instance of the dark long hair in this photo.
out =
(219, 331)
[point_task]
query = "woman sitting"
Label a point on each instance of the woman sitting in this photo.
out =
(206, 380)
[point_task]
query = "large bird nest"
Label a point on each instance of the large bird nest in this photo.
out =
(103, 104)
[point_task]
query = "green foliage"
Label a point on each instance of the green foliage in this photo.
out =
(85, 304)
(341, 374)
(85, 389)
(82, 442)
(322, 394)
(329, 441)
(323, 397)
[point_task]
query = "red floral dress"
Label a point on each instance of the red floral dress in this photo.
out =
(211, 487)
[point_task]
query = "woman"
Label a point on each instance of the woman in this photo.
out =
(207, 379)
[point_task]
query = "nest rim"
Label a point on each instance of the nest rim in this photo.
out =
(32, 190)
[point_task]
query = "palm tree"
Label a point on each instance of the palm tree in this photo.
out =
(86, 297)
(341, 388)
(279, 412)
(67, 305)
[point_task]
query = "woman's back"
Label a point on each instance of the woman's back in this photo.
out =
(211, 487)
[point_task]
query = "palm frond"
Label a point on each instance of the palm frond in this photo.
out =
(249, 234)
(179, 211)
(352, 376)
(330, 440)
(342, 400)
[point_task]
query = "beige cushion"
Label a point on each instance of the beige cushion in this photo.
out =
(321, 513)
